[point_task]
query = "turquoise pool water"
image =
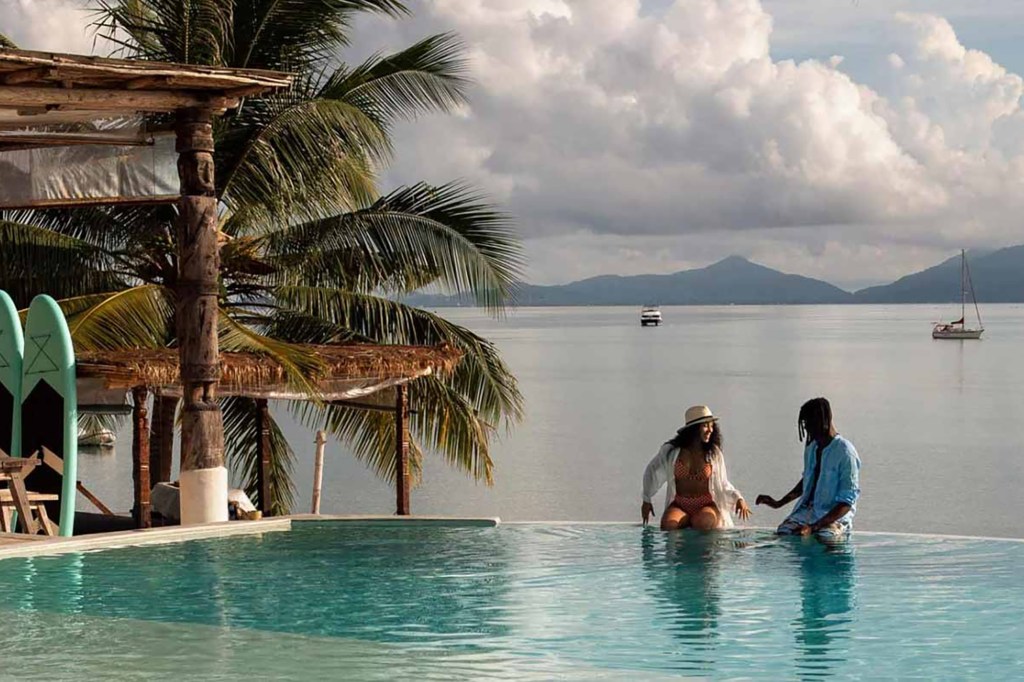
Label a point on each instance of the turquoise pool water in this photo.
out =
(518, 601)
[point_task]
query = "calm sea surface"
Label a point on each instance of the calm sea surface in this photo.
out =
(939, 424)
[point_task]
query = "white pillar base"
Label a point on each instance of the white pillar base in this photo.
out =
(204, 496)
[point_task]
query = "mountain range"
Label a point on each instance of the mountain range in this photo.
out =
(998, 276)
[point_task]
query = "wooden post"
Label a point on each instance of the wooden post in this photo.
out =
(402, 450)
(140, 457)
(203, 475)
(263, 455)
(318, 470)
(161, 439)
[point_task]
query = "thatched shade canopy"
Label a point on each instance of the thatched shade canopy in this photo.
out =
(38, 88)
(349, 371)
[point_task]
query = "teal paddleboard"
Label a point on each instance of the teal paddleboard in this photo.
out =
(12, 347)
(49, 406)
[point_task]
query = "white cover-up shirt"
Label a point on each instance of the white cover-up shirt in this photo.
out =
(661, 470)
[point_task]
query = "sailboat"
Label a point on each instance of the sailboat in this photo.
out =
(957, 329)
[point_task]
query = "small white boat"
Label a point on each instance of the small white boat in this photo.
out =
(650, 314)
(103, 438)
(957, 329)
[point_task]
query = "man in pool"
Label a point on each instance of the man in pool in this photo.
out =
(830, 485)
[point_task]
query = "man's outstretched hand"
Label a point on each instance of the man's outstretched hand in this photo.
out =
(767, 500)
(646, 511)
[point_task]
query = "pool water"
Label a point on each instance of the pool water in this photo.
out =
(354, 601)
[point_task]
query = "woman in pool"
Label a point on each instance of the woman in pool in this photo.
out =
(699, 494)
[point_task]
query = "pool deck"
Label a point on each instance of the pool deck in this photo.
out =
(18, 545)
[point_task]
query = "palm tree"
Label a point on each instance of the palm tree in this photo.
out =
(312, 252)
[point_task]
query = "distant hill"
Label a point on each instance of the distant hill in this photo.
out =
(732, 280)
(998, 278)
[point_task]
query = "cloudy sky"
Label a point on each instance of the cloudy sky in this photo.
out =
(850, 140)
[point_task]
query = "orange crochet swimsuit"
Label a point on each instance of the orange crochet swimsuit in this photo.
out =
(692, 505)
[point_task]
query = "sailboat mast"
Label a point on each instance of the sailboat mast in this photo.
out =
(974, 296)
(963, 286)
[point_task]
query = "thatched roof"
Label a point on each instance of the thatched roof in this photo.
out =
(42, 87)
(349, 371)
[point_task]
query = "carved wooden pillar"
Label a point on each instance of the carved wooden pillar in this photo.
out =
(140, 457)
(263, 454)
(203, 475)
(402, 450)
(161, 439)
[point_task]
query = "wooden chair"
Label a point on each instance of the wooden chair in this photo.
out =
(32, 516)
(35, 507)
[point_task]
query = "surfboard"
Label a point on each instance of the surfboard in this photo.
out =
(12, 347)
(49, 406)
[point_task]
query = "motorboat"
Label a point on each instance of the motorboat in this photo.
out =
(650, 314)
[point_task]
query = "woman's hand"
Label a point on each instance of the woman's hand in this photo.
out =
(768, 500)
(742, 510)
(646, 511)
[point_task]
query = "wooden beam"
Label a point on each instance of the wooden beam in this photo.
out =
(140, 457)
(97, 99)
(146, 82)
(80, 66)
(29, 140)
(402, 451)
(245, 91)
(26, 75)
(263, 456)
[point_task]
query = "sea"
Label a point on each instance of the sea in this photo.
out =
(938, 424)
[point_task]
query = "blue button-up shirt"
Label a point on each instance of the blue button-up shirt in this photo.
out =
(838, 482)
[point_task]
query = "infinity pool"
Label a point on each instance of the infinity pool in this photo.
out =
(346, 601)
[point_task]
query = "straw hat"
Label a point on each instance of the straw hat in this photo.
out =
(698, 414)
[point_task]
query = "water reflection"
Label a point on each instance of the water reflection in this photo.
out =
(827, 601)
(682, 571)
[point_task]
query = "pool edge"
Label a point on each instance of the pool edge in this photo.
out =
(144, 536)
(36, 546)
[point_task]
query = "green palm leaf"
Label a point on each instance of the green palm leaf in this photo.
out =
(426, 77)
(240, 439)
(413, 237)
(140, 317)
(369, 433)
(307, 158)
(281, 34)
(302, 367)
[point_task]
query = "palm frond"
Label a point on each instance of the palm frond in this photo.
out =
(303, 159)
(290, 34)
(413, 237)
(369, 433)
(426, 77)
(184, 31)
(302, 367)
(446, 421)
(481, 375)
(7, 42)
(241, 442)
(36, 259)
(140, 317)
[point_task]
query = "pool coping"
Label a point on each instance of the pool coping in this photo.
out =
(45, 546)
(48, 546)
